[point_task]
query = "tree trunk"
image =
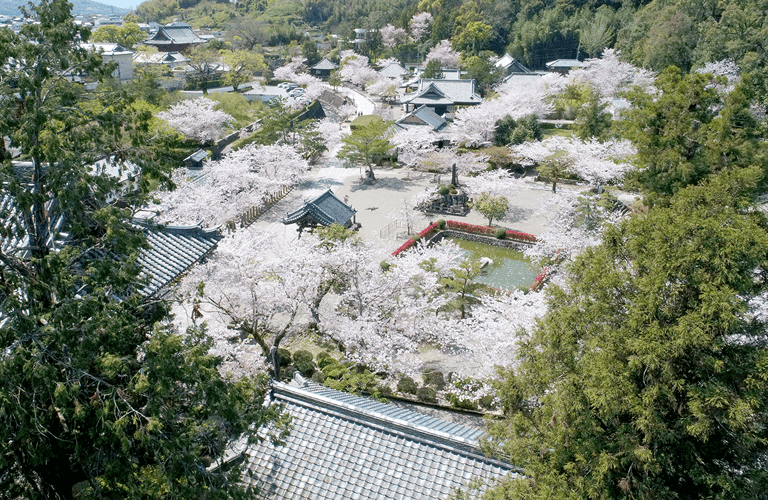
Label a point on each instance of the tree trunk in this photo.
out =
(554, 185)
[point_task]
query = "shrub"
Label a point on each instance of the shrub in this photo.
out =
(443, 191)
(334, 370)
(434, 378)
(416, 238)
(500, 233)
(324, 359)
(441, 223)
(306, 368)
(451, 187)
(459, 402)
(302, 355)
(384, 265)
(427, 394)
(406, 385)
(284, 357)
(488, 402)
(453, 191)
(318, 377)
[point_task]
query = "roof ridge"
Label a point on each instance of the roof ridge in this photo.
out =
(372, 418)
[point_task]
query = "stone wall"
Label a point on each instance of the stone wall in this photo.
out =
(479, 238)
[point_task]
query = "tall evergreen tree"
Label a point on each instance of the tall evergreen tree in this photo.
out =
(97, 400)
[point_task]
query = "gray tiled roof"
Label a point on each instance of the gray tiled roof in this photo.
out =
(564, 63)
(325, 64)
(393, 70)
(429, 117)
(346, 446)
(435, 92)
(511, 65)
(172, 250)
(178, 34)
(326, 209)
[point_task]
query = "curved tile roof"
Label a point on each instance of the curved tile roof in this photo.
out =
(346, 446)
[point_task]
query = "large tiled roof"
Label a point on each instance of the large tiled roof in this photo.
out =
(325, 64)
(350, 447)
(393, 70)
(440, 92)
(172, 250)
(174, 34)
(326, 209)
(426, 116)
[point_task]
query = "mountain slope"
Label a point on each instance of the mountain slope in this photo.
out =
(81, 7)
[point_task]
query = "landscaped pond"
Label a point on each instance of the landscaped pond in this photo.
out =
(510, 269)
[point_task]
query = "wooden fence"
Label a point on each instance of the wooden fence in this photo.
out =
(252, 214)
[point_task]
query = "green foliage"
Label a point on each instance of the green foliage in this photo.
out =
(441, 223)
(491, 207)
(406, 385)
(480, 69)
(416, 238)
(367, 144)
(433, 70)
(336, 233)
(500, 233)
(555, 167)
(237, 106)
(511, 131)
(426, 394)
(647, 374)
(384, 265)
(443, 190)
(302, 355)
(591, 118)
(127, 35)
(434, 378)
(462, 288)
(309, 51)
(689, 132)
(284, 357)
(243, 65)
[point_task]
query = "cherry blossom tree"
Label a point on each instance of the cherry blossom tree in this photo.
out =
(331, 132)
(413, 144)
(420, 25)
(444, 159)
(240, 180)
(391, 36)
(609, 75)
(198, 120)
(474, 126)
(354, 69)
(405, 216)
(290, 69)
(726, 68)
(260, 288)
(596, 162)
(444, 53)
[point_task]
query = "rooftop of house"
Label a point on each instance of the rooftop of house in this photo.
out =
(564, 64)
(172, 251)
(325, 209)
(444, 92)
(511, 65)
(347, 446)
(422, 116)
(325, 64)
(111, 49)
(175, 34)
(393, 70)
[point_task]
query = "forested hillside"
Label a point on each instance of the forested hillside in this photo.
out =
(80, 7)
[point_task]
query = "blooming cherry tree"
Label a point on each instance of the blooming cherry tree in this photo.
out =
(474, 126)
(355, 69)
(593, 161)
(444, 53)
(413, 144)
(609, 75)
(420, 25)
(290, 69)
(240, 180)
(391, 36)
(198, 120)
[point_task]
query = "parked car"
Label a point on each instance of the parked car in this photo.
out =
(291, 86)
(283, 85)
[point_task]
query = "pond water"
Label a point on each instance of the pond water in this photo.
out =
(510, 269)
